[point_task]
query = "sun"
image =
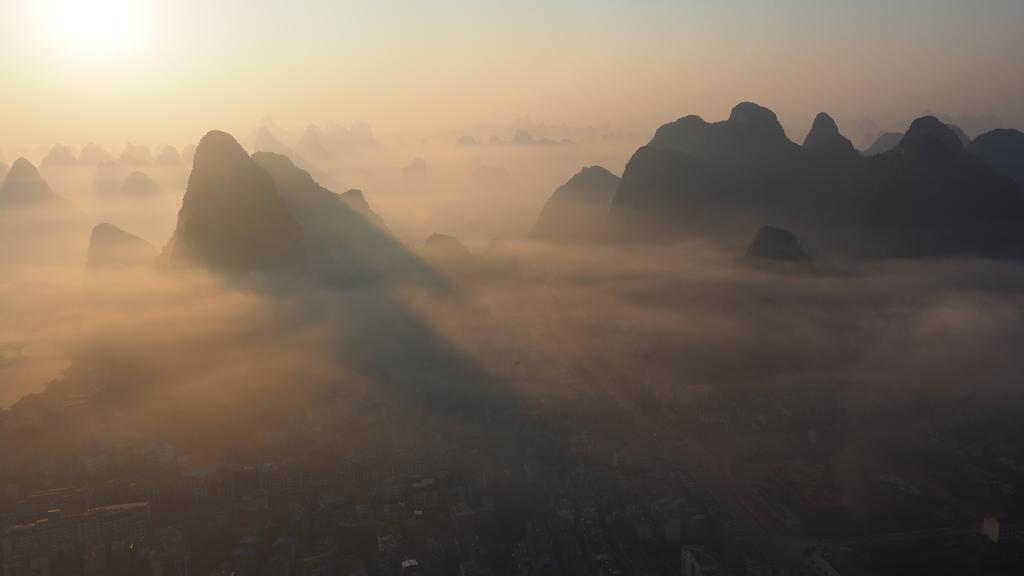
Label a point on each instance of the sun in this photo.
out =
(93, 27)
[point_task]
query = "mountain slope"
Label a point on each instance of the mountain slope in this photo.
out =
(232, 217)
(578, 210)
(24, 188)
(1003, 150)
(112, 248)
(345, 241)
(928, 196)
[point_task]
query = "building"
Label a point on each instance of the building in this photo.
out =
(68, 532)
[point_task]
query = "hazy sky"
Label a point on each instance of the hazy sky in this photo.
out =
(168, 70)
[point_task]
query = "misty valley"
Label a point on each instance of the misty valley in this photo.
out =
(555, 352)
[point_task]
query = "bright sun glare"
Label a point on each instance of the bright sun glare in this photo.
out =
(93, 27)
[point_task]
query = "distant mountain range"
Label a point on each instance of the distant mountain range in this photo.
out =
(93, 154)
(59, 155)
(927, 196)
(132, 155)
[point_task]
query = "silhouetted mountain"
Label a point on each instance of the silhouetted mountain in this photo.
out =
(24, 188)
(825, 134)
(886, 141)
(889, 140)
(356, 201)
(3, 169)
(777, 250)
(188, 153)
(169, 156)
(578, 210)
(338, 138)
(929, 196)
(973, 125)
(311, 145)
(133, 155)
(447, 245)
(337, 134)
(695, 178)
(36, 225)
(774, 243)
(113, 248)
(828, 148)
(865, 133)
(265, 141)
(138, 185)
(59, 155)
(361, 135)
(232, 216)
(1003, 150)
(415, 169)
(93, 154)
(752, 133)
(345, 241)
(467, 141)
(523, 137)
(926, 197)
(960, 134)
(448, 253)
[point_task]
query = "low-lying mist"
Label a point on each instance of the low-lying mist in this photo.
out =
(678, 351)
(170, 350)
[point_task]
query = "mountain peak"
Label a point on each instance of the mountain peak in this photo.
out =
(139, 184)
(779, 244)
(218, 147)
(355, 196)
(930, 129)
(594, 176)
(136, 154)
(777, 250)
(883, 143)
(22, 169)
(312, 143)
(169, 156)
(578, 210)
(24, 187)
(447, 245)
(93, 154)
(232, 216)
(60, 155)
(823, 131)
(110, 247)
(755, 116)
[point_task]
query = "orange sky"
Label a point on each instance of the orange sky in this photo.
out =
(182, 67)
